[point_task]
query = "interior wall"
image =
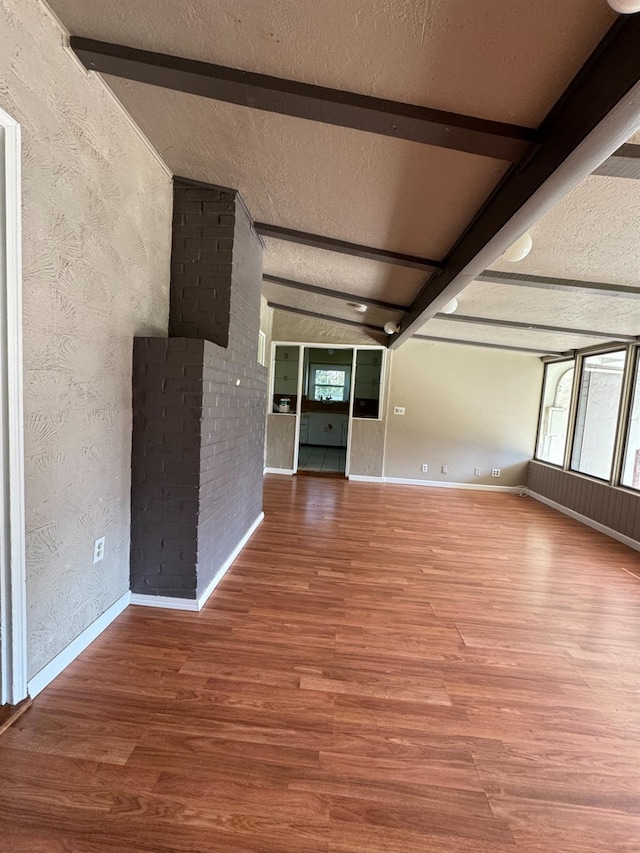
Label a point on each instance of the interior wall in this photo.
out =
(296, 327)
(96, 225)
(465, 407)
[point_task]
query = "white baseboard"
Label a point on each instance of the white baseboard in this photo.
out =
(439, 484)
(164, 601)
(196, 604)
(66, 656)
(608, 531)
(288, 471)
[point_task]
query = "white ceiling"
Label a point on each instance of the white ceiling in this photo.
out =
(503, 61)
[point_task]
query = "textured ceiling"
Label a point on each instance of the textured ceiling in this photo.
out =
(507, 61)
(544, 341)
(328, 306)
(551, 307)
(398, 285)
(592, 234)
(301, 174)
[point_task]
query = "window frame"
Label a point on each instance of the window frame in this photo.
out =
(337, 368)
(625, 426)
(619, 417)
(631, 374)
(565, 360)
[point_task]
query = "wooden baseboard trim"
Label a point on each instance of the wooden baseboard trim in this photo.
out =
(439, 484)
(196, 604)
(589, 522)
(288, 471)
(66, 656)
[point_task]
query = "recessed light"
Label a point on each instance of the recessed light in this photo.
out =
(358, 306)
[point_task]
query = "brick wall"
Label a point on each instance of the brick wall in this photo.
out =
(199, 406)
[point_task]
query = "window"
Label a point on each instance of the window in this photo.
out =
(330, 383)
(597, 414)
(554, 412)
(631, 466)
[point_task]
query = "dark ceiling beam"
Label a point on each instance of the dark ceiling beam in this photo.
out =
(623, 163)
(535, 327)
(484, 345)
(316, 103)
(568, 285)
(329, 319)
(607, 78)
(333, 294)
(330, 244)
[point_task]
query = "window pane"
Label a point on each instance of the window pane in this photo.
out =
(329, 384)
(554, 412)
(597, 417)
(631, 469)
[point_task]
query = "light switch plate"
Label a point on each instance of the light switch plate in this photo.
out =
(398, 410)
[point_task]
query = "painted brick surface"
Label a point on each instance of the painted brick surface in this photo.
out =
(199, 406)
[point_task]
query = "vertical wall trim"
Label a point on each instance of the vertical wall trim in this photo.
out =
(13, 606)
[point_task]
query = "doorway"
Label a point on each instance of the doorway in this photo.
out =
(324, 410)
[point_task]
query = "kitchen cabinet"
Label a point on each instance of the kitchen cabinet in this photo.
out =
(324, 428)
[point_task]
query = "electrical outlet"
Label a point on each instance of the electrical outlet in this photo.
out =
(425, 468)
(495, 472)
(398, 410)
(445, 468)
(98, 550)
(476, 472)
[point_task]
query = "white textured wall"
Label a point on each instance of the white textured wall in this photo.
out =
(465, 407)
(96, 223)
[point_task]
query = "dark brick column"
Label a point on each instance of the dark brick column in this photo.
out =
(199, 402)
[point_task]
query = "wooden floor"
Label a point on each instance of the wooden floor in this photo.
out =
(384, 669)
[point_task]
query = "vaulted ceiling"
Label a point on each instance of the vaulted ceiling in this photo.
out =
(498, 62)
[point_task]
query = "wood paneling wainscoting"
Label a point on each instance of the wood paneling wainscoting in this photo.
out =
(617, 509)
(384, 669)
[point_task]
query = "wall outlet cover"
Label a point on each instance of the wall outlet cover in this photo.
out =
(425, 468)
(445, 469)
(476, 472)
(495, 472)
(98, 550)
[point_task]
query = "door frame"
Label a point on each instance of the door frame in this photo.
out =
(303, 346)
(13, 603)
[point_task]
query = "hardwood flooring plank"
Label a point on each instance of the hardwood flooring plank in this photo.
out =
(480, 695)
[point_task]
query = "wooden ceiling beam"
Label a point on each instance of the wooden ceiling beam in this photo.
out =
(397, 119)
(609, 79)
(535, 327)
(332, 294)
(485, 345)
(568, 285)
(328, 318)
(623, 163)
(331, 244)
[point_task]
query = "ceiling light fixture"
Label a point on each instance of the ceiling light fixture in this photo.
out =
(450, 307)
(357, 306)
(625, 7)
(520, 249)
(391, 328)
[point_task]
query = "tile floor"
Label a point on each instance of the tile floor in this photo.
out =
(315, 458)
